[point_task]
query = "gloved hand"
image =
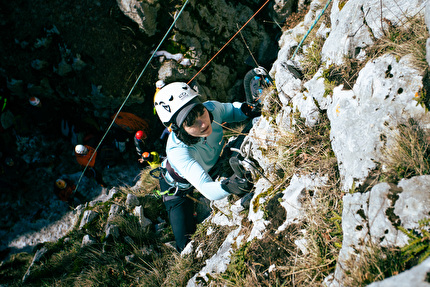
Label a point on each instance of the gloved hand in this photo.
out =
(251, 111)
(236, 185)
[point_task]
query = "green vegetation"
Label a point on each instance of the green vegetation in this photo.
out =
(311, 61)
(375, 263)
(418, 248)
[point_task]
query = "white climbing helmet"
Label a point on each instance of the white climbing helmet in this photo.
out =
(171, 99)
(159, 84)
(34, 101)
(81, 149)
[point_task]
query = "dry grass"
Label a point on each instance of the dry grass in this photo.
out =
(322, 235)
(409, 155)
(311, 61)
(147, 184)
(167, 269)
(272, 104)
(209, 244)
(373, 263)
(303, 150)
(408, 38)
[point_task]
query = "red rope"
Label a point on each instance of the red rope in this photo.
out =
(228, 42)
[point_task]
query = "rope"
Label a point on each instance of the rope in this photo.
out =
(228, 41)
(129, 94)
(310, 29)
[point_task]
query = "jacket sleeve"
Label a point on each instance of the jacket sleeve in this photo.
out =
(227, 112)
(192, 171)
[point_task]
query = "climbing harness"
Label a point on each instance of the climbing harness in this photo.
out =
(310, 29)
(216, 54)
(131, 90)
(166, 187)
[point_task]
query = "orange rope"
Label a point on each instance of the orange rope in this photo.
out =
(228, 42)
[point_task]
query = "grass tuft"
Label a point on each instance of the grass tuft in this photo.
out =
(407, 38)
(312, 58)
(373, 263)
(409, 155)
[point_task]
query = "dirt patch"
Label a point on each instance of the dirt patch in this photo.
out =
(295, 18)
(275, 249)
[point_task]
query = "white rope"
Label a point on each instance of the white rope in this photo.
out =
(129, 94)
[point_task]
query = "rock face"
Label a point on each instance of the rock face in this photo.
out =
(144, 13)
(361, 119)
(365, 218)
(201, 30)
(381, 99)
(359, 23)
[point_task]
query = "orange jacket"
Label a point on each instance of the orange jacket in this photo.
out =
(66, 193)
(83, 159)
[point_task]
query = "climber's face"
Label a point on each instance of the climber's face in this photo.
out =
(201, 127)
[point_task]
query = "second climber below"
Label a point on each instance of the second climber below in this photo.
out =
(192, 150)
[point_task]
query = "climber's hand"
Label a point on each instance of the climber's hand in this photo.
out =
(251, 110)
(236, 185)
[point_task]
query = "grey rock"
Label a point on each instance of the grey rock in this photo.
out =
(139, 212)
(88, 216)
(87, 240)
(144, 13)
(416, 276)
(132, 201)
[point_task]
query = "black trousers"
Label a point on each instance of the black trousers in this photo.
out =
(180, 210)
(181, 216)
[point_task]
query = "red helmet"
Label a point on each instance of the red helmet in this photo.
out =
(139, 135)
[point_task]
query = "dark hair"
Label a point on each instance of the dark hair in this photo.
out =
(181, 134)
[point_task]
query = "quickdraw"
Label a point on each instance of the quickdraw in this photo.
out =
(159, 173)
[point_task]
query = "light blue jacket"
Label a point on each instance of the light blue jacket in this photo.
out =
(193, 162)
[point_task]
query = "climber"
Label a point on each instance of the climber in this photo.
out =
(35, 102)
(83, 155)
(158, 85)
(64, 190)
(152, 158)
(192, 150)
(139, 143)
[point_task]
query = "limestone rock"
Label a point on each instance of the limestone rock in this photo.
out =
(114, 211)
(132, 201)
(88, 216)
(144, 13)
(358, 23)
(281, 10)
(366, 219)
(87, 240)
(144, 222)
(416, 276)
(382, 98)
(111, 231)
